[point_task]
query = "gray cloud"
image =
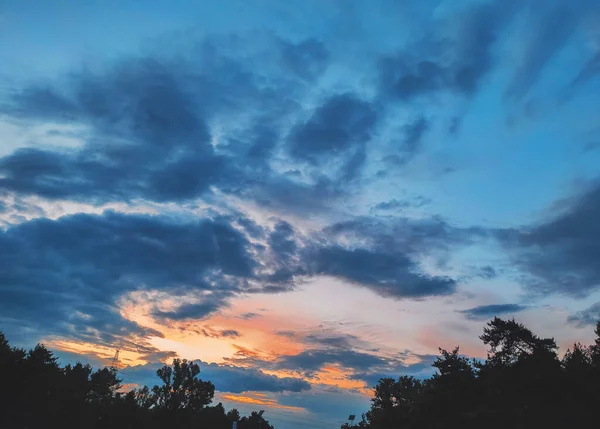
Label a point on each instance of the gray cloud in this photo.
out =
(226, 378)
(392, 204)
(467, 53)
(339, 128)
(421, 369)
(307, 59)
(589, 70)
(313, 360)
(416, 202)
(249, 315)
(148, 125)
(413, 136)
(488, 272)
(335, 341)
(548, 31)
(63, 276)
(561, 254)
(192, 311)
(488, 311)
(387, 272)
(588, 317)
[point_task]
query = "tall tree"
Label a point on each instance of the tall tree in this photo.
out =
(181, 388)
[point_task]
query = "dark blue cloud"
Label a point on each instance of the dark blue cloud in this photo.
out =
(549, 30)
(386, 261)
(588, 317)
(421, 369)
(236, 379)
(489, 311)
(335, 341)
(488, 272)
(589, 70)
(150, 140)
(147, 120)
(386, 272)
(282, 240)
(467, 54)
(227, 378)
(63, 276)
(412, 140)
(561, 254)
(230, 333)
(191, 311)
(249, 315)
(392, 204)
(307, 59)
(367, 367)
(404, 235)
(313, 360)
(340, 127)
(416, 202)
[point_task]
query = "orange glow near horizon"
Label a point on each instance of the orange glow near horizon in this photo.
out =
(256, 329)
(106, 354)
(259, 399)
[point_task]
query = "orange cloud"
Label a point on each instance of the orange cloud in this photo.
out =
(105, 354)
(254, 399)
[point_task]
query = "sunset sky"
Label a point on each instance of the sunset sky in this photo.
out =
(303, 195)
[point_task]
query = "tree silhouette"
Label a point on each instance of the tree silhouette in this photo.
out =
(254, 421)
(233, 415)
(37, 392)
(521, 384)
(181, 388)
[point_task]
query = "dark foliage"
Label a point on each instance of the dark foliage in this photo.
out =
(521, 384)
(38, 392)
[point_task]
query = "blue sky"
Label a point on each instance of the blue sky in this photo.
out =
(302, 195)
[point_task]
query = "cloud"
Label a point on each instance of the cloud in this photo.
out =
(421, 369)
(236, 379)
(339, 128)
(150, 138)
(404, 235)
(64, 276)
(386, 272)
(281, 240)
(249, 315)
(589, 70)
(392, 204)
(413, 136)
(335, 341)
(559, 255)
(548, 31)
(383, 254)
(227, 333)
(588, 317)
(150, 121)
(307, 59)
(367, 367)
(226, 378)
(464, 42)
(488, 311)
(326, 403)
(488, 272)
(195, 311)
(313, 360)
(417, 202)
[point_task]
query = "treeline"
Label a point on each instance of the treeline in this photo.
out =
(521, 384)
(36, 392)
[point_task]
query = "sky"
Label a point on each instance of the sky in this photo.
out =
(303, 196)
